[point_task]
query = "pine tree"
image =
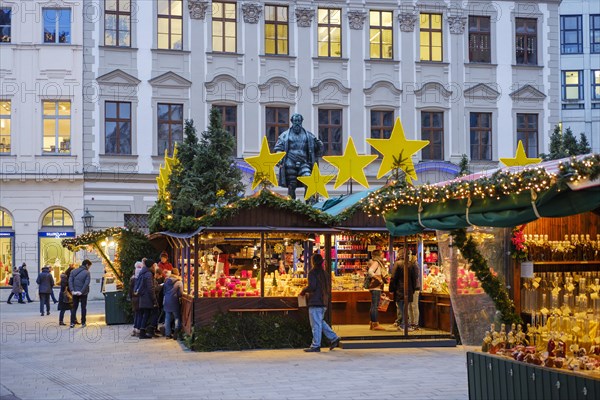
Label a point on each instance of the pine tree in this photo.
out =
(556, 145)
(584, 145)
(183, 186)
(464, 166)
(570, 143)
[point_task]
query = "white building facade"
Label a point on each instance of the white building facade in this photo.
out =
(580, 68)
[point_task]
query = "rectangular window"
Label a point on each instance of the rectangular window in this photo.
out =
(382, 123)
(57, 127)
(276, 30)
(4, 127)
(117, 127)
(572, 85)
(330, 131)
(571, 34)
(479, 40)
(136, 221)
(431, 37)
(170, 24)
(224, 27)
(595, 33)
(229, 118)
(170, 127)
(481, 136)
(432, 129)
(381, 34)
(277, 120)
(57, 25)
(329, 39)
(117, 23)
(596, 84)
(526, 41)
(5, 24)
(527, 132)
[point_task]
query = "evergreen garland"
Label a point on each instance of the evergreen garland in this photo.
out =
(491, 284)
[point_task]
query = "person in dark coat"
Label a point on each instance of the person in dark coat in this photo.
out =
(79, 285)
(397, 289)
(157, 313)
(65, 297)
(144, 289)
(318, 289)
(135, 301)
(16, 286)
(25, 282)
(45, 283)
(173, 290)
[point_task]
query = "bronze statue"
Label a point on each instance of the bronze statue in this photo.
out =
(302, 149)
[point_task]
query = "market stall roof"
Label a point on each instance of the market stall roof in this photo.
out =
(504, 197)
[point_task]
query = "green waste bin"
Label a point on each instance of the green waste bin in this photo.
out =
(114, 314)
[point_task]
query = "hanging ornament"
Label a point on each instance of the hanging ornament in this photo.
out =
(264, 164)
(350, 165)
(315, 183)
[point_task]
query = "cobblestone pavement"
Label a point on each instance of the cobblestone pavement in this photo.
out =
(41, 360)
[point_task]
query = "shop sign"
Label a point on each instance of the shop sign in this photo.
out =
(7, 234)
(56, 235)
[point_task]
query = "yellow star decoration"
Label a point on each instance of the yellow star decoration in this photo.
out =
(400, 148)
(264, 164)
(520, 158)
(315, 183)
(350, 165)
(164, 173)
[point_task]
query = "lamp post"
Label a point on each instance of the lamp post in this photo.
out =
(88, 220)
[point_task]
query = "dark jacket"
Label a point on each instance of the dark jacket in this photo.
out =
(397, 282)
(65, 300)
(24, 276)
(317, 289)
(16, 286)
(45, 281)
(145, 289)
(173, 289)
(158, 289)
(135, 300)
(79, 280)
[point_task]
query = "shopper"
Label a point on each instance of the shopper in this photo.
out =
(17, 289)
(397, 289)
(379, 276)
(144, 289)
(79, 285)
(45, 283)
(173, 290)
(135, 300)
(318, 290)
(157, 317)
(65, 297)
(25, 282)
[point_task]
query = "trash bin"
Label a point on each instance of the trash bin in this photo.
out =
(114, 314)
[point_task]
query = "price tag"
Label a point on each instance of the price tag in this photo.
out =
(371, 247)
(535, 284)
(527, 269)
(571, 287)
(544, 311)
(576, 329)
(594, 296)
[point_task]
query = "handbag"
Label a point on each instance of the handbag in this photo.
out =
(384, 303)
(10, 281)
(67, 296)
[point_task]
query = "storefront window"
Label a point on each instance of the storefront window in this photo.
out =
(6, 247)
(57, 224)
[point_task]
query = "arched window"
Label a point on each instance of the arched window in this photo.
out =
(57, 217)
(5, 219)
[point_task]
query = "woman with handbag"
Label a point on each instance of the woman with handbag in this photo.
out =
(25, 282)
(378, 276)
(65, 298)
(16, 286)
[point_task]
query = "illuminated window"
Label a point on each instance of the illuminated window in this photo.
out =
(4, 127)
(276, 30)
(5, 24)
(330, 131)
(329, 32)
(170, 24)
(526, 41)
(57, 25)
(596, 84)
(481, 136)
(382, 123)
(224, 26)
(432, 129)
(277, 121)
(594, 33)
(57, 217)
(117, 23)
(5, 219)
(170, 127)
(431, 37)
(479, 40)
(117, 127)
(527, 132)
(572, 85)
(381, 34)
(57, 127)
(229, 120)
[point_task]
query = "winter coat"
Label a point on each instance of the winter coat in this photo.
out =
(158, 290)
(16, 287)
(145, 289)
(318, 288)
(378, 272)
(79, 280)
(135, 300)
(24, 276)
(45, 281)
(172, 289)
(397, 282)
(65, 301)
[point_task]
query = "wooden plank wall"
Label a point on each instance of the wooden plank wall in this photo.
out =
(557, 228)
(268, 216)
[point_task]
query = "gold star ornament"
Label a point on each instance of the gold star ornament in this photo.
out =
(520, 159)
(264, 164)
(350, 165)
(397, 152)
(315, 183)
